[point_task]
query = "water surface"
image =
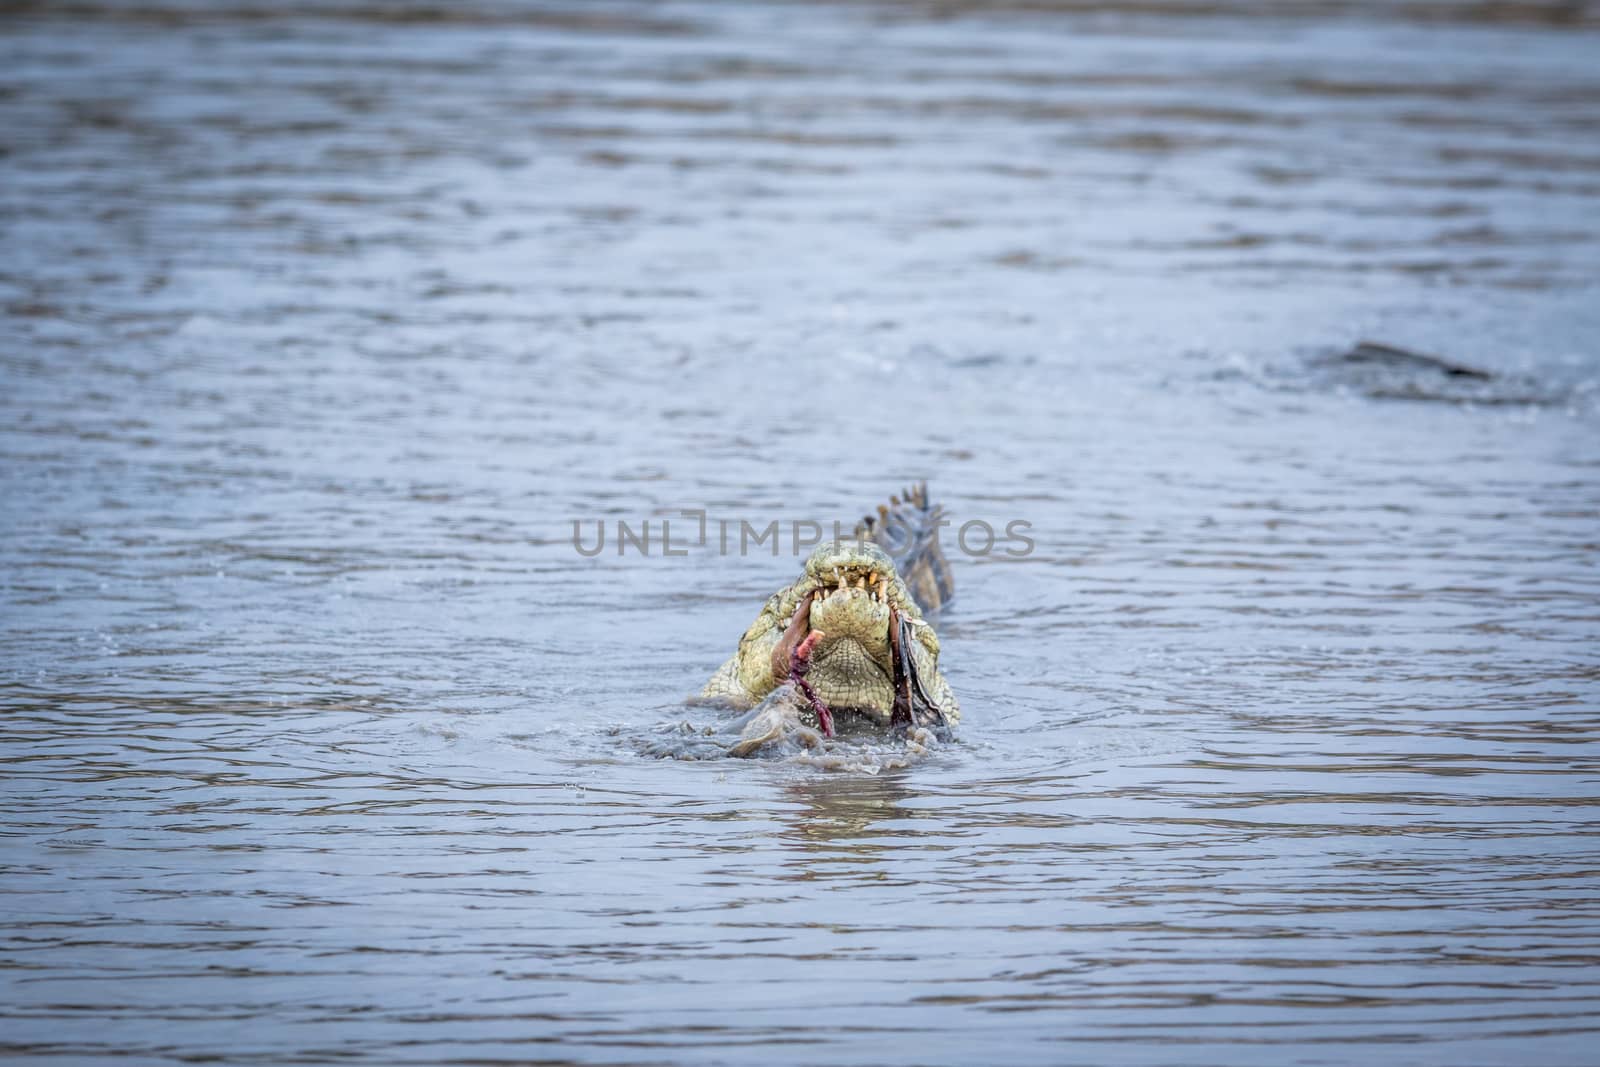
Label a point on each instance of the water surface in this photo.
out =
(322, 324)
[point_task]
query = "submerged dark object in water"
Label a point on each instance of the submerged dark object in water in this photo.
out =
(1387, 372)
(1377, 354)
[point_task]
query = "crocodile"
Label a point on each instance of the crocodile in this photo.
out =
(849, 637)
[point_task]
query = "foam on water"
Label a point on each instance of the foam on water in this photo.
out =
(779, 729)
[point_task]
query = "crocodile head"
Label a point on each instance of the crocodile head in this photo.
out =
(871, 641)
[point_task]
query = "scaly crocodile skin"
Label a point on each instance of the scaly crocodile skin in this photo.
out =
(850, 587)
(908, 529)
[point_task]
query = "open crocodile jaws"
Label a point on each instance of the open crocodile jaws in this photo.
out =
(873, 649)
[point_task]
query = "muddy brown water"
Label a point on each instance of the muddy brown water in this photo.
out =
(323, 323)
